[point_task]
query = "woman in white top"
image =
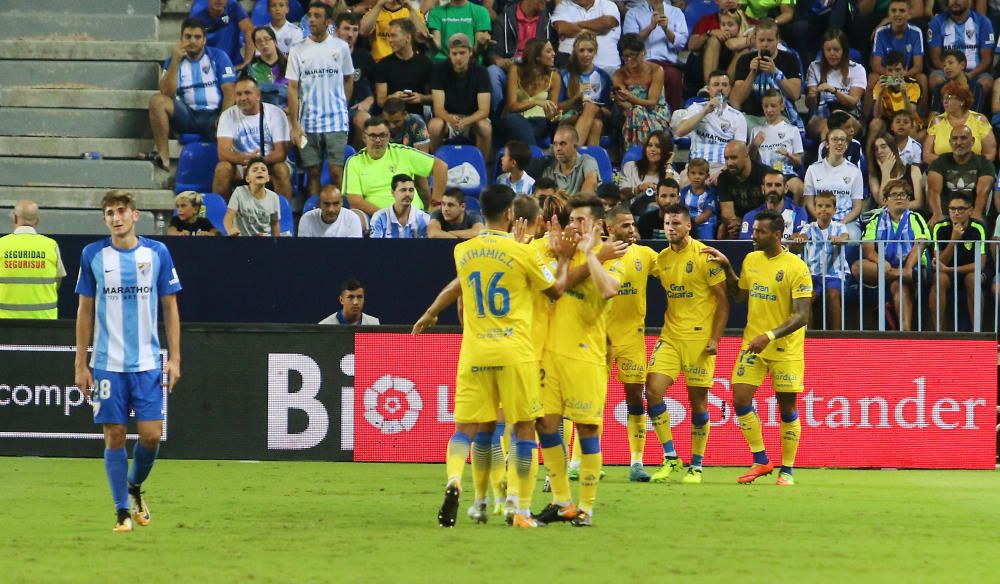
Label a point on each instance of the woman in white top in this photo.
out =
(833, 82)
(835, 174)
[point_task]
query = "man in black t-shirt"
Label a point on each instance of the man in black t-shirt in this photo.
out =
(959, 172)
(404, 74)
(452, 220)
(460, 93)
(362, 97)
(766, 68)
(739, 188)
(650, 224)
(956, 261)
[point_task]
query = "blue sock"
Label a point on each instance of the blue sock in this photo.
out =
(591, 445)
(657, 409)
(635, 410)
(743, 411)
(698, 419)
(116, 467)
(788, 419)
(525, 453)
(550, 440)
(668, 447)
(483, 439)
(142, 463)
(498, 433)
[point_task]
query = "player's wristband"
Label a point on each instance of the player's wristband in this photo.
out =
(770, 335)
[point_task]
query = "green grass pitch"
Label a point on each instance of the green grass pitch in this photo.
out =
(327, 522)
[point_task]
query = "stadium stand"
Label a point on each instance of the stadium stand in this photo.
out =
(196, 166)
(456, 155)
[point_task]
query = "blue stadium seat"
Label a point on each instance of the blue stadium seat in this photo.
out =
(454, 155)
(324, 178)
(196, 167)
(311, 203)
(261, 17)
(215, 207)
(695, 10)
(633, 153)
(472, 204)
(536, 152)
(287, 220)
(185, 139)
(603, 161)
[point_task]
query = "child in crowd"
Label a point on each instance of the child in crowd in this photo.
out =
(844, 121)
(188, 220)
(700, 199)
(516, 157)
(779, 143)
(254, 209)
(904, 126)
(824, 254)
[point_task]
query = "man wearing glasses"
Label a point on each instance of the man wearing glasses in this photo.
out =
(955, 241)
(368, 174)
(959, 172)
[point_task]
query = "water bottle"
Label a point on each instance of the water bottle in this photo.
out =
(161, 223)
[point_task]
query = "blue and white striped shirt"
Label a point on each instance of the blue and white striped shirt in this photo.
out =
(320, 68)
(969, 36)
(714, 131)
(126, 286)
(823, 257)
(521, 187)
(385, 224)
(199, 83)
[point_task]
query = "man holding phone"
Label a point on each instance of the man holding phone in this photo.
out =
(768, 67)
(663, 28)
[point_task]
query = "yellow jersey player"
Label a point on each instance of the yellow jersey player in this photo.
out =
(574, 366)
(777, 287)
(626, 331)
(697, 310)
(497, 362)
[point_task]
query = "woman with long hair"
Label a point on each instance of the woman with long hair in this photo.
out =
(638, 91)
(957, 99)
(532, 93)
(833, 82)
(586, 91)
(639, 176)
(885, 165)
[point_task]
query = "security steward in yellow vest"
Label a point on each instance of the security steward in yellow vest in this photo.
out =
(30, 268)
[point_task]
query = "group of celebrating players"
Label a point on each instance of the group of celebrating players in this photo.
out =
(546, 306)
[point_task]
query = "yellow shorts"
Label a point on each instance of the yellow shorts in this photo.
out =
(672, 356)
(786, 376)
(480, 390)
(574, 389)
(631, 359)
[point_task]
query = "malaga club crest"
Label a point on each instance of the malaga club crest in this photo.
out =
(143, 267)
(779, 276)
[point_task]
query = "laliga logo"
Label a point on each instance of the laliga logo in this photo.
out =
(377, 401)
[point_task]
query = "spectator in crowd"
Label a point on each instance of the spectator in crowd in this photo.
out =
(188, 219)
(254, 210)
(706, 44)
(836, 174)
(776, 199)
(886, 165)
(377, 23)
(893, 92)
(532, 94)
(899, 36)
(405, 74)
(362, 96)
(268, 68)
(957, 101)
(572, 171)
(329, 218)
(967, 31)
(639, 177)
(768, 68)
(586, 90)
(741, 40)
(778, 144)
(739, 188)
(401, 220)
(286, 33)
(405, 128)
(336, 7)
(714, 124)
(833, 83)
(546, 187)
(910, 150)
(701, 200)
(812, 19)
(453, 220)
(320, 83)
(600, 17)
(953, 68)
(459, 17)
(367, 177)
(650, 224)
(855, 153)
(781, 11)
(197, 84)
(515, 158)
(663, 30)
(239, 140)
(352, 301)
(638, 91)
(956, 261)
(460, 93)
(610, 195)
(29, 289)
(959, 172)
(225, 21)
(518, 23)
(903, 230)
(824, 241)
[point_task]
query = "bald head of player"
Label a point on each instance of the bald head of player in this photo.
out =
(25, 213)
(621, 225)
(496, 203)
(768, 227)
(677, 225)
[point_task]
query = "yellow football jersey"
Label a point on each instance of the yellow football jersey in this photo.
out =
(578, 321)
(498, 276)
(687, 276)
(772, 284)
(628, 310)
(542, 303)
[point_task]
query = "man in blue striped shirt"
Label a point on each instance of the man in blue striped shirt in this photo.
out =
(121, 278)
(197, 85)
(401, 220)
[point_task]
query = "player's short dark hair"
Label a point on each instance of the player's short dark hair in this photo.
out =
(345, 16)
(400, 178)
(350, 285)
(405, 25)
(775, 218)
(455, 193)
(838, 120)
(526, 207)
(118, 197)
(667, 182)
(495, 200)
(588, 201)
(954, 53)
(520, 153)
(326, 8)
(194, 23)
(375, 121)
(619, 210)
(678, 209)
(894, 58)
(554, 204)
(545, 183)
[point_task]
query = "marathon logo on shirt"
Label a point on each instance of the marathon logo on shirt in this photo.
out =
(705, 136)
(127, 292)
(209, 83)
(762, 292)
(320, 72)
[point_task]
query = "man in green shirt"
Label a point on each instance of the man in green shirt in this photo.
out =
(459, 16)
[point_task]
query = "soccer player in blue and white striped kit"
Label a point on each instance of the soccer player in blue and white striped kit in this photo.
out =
(121, 278)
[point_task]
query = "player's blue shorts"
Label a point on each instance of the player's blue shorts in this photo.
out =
(116, 393)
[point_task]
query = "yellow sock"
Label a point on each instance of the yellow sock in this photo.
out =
(567, 433)
(498, 473)
(660, 418)
(636, 436)
(481, 463)
(699, 442)
(574, 461)
(590, 472)
(505, 443)
(526, 471)
(555, 463)
(790, 442)
(458, 451)
(750, 426)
